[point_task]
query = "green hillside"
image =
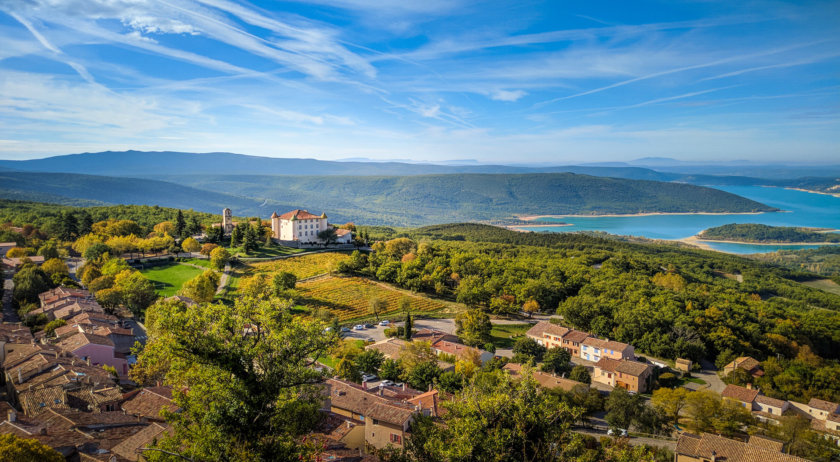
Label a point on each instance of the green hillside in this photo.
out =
(386, 200)
(752, 232)
(425, 199)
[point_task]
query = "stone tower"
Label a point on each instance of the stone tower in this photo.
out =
(227, 221)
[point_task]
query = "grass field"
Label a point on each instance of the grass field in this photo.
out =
(505, 335)
(824, 284)
(168, 279)
(349, 297)
(266, 251)
(304, 266)
(196, 261)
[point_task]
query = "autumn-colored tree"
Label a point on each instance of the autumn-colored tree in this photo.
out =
(207, 249)
(190, 245)
(13, 448)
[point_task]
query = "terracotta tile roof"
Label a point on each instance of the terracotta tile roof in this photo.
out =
(66, 371)
(729, 450)
(129, 448)
(76, 308)
(432, 336)
(342, 232)
(576, 336)
(428, 400)
(350, 397)
(766, 443)
(633, 368)
(94, 397)
(15, 333)
(822, 405)
(38, 400)
(391, 413)
(94, 318)
(545, 327)
(607, 364)
(819, 426)
(544, 379)
(747, 363)
(605, 344)
(739, 393)
(768, 401)
(833, 417)
(149, 402)
(390, 347)
(457, 349)
(298, 214)
(336, 426)
(81, 339)
(687, 444)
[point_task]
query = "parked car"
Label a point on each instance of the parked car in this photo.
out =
(385, 323)
(368, 326)
(386, 383)
(345, 329)
(617, 432)
(368, 377)
(328, 329)
(359, 327)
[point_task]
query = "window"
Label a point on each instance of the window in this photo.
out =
(396, 439)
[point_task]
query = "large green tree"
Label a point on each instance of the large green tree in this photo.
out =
(497, 419)
(473, 327)
(242, 377)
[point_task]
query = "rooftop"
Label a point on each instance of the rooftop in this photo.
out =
(706, 445)
(739, 393)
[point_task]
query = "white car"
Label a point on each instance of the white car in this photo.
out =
(368, 378)
(359, 327)
(386, 383)
(617, 432)
(385, 323)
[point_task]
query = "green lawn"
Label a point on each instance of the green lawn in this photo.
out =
(266, 251)
(505, 335)
(168, 279)
(196, 261)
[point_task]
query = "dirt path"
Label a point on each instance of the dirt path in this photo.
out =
(224, 279)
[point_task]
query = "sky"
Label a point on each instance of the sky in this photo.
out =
(431, 80)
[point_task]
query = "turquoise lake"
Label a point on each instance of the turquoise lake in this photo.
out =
(800, 209)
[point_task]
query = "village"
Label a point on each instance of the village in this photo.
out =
(69, 386)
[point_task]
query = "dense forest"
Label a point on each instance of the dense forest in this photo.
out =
(666, 300)
(823, 261)
(384, 200)
(753, 232)
(50, 218)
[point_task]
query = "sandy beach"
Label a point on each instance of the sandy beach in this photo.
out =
(697, 241)
(812, 192)
(648, 214)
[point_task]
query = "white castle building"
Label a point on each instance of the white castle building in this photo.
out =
(302, 226)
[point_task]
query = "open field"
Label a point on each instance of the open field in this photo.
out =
(349, 297)
(168, 279)
(304, 266)
(505, 335)
(196, 261)
(266, 251)
(824, 284)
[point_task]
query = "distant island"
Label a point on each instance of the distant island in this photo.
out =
(764, 234)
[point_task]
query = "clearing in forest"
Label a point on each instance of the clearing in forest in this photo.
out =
(349, 297)
(304, 266)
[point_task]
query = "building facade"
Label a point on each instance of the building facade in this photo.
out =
(302, 226)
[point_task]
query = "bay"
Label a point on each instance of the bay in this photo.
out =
(800, 208)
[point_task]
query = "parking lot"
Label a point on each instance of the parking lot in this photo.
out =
(377, 332)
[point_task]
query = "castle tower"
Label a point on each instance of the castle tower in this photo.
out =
(275, 225)
(227, 221)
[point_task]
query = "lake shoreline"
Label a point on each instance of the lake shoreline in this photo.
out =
(645, 214)
(699, 242)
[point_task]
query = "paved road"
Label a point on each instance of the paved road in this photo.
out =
(663, 443)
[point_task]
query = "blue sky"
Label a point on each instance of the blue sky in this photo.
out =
(523, 81)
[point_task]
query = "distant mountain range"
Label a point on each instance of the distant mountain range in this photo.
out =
(389, 200)
(158, 163)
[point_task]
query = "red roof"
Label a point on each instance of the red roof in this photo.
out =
(299, 214)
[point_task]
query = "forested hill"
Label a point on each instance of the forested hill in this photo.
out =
(666, 300)
(426, 199)
(386, 200)
(751, 232)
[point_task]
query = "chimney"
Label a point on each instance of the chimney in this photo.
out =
(403, 386)
(749, 386)
(714, 456)
(364, 385)
(20, 377)
(12, 415)
(380, 391)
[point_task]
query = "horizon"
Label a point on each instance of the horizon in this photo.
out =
(701, 82)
